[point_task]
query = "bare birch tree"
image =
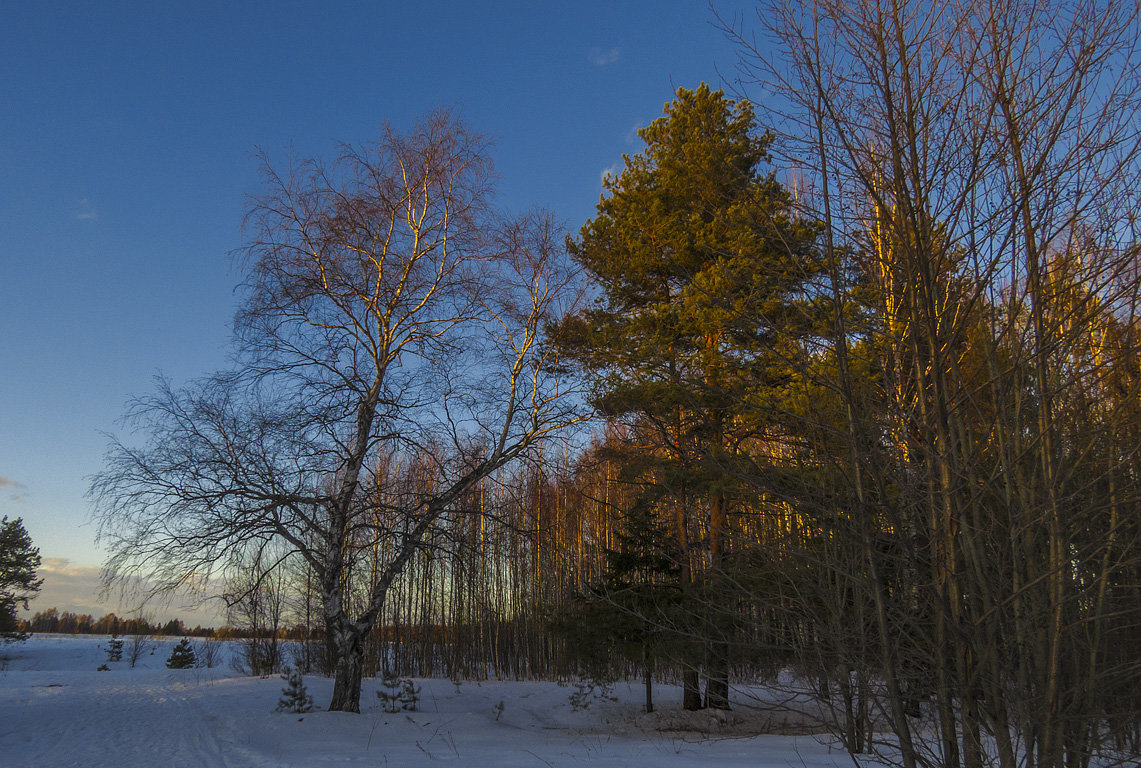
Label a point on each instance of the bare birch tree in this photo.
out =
(389, 310)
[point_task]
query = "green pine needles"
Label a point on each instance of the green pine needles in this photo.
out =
(294, 696)
(398, 693)
(182, 657)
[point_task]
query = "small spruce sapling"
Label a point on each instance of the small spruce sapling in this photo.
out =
(589, 691)
(294, 697)
(389, 699)
(409, 695)
(402, 694)
(115, 649)
(182, 657)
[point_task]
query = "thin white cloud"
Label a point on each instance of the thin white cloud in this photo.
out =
(632, 137)
(601, 57)
(86, 212)
(610, 170)
(70, 586)
(17, 492)
(63, 567)
(6, 482)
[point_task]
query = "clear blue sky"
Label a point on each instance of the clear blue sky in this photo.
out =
(126, 132)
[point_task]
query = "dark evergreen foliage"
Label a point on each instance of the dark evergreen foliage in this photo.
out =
(389, 694)
(398, 694)
(294, 696)
(18, 583)
(182, 657)
(702, 260)
(115, 649)
(636, 615)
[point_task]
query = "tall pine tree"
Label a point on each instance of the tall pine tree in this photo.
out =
(701, 260)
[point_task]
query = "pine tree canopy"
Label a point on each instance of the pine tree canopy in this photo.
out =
(18, 583)
(699, 256)
(182, 656)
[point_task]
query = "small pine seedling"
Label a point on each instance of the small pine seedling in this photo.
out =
(409, 695)
(498, 709)
(390, 699)
(294, 697)
(115, 649)
(588, 691)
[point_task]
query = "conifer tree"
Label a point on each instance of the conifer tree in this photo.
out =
(295, 697)
(390, 698)
(409, 695)
(700, 259)
(182, 657)
(115, 649)
(635, 613)
(18, 583)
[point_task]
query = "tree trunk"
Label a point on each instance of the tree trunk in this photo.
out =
(691, 690)
(347, 669)
(717, 688)
(691, 685)
(648, 671)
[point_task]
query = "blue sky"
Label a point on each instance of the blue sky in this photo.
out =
(126, 133)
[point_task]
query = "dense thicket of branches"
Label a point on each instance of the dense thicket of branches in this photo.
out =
(964, 450)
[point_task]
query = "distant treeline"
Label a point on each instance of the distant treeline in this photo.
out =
(68, 623)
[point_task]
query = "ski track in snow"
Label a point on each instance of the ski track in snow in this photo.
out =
(140, 719)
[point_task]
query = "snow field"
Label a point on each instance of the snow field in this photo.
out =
(56, 710)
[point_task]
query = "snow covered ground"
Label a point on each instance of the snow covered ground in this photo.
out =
(57, 710)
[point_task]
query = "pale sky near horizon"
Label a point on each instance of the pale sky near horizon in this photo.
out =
(126, 135)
